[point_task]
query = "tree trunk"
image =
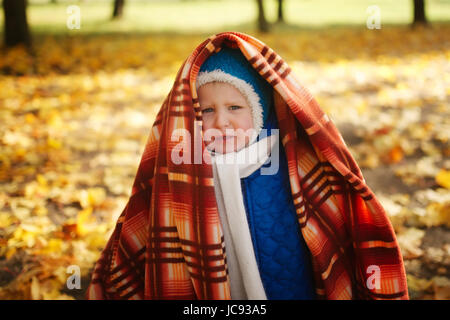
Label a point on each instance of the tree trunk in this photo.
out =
(419, 12)
(118, 9)
(263, 26)
(280, 11)
(16, 26)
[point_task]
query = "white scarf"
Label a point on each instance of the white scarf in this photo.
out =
(228, 169)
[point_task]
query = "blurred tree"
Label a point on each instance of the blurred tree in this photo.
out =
(263, 26)
(419, 12)
(16, 29)
(118, 9)
(280, 11)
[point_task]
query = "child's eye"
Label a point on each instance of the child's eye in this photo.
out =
(235, 107)
(206, 110)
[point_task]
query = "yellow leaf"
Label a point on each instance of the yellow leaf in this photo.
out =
(437, 214)
(401, 86)
(362, 107)
(30, 118)
(96, 241)
(11, 251)
(5, 220)
(55, 121)
(41, 180)
(97, 196)
(35, 289)
(83, 218)
(443, 178)
(40, 210)
(418, 284)
(53, 143)
(20, 152)
(92, 197)
(370, 161)
(410, 242)
(54, 245)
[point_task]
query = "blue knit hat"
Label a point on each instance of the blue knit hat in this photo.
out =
(230, 66)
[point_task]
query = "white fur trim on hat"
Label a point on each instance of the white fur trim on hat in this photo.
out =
(244, 87)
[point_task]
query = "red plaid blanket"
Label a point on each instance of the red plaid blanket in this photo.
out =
(168, 242)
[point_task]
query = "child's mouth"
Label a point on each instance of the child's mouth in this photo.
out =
(225, 143)
(223, 138)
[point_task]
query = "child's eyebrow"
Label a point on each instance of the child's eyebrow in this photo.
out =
(238, 103)
(235, 103)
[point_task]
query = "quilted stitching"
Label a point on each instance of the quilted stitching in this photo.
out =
(282, 256)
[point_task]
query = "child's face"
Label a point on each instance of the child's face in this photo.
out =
(224, 107)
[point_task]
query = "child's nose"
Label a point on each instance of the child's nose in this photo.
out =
(222, 120)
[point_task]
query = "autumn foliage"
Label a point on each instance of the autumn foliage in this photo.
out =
(76, 113)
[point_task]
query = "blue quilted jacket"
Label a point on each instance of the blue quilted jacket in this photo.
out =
(281, 253)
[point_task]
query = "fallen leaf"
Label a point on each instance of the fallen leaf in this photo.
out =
(410, 241)
(443, 178)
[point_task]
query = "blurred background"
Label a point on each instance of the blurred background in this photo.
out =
(82, 81)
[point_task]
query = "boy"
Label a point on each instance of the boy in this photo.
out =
(219, 229)
(266, 254)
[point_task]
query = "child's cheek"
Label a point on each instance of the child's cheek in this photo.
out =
(243, 137)
(206, 124)
(246, 124)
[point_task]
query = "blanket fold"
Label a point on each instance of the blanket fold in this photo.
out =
(168, 242)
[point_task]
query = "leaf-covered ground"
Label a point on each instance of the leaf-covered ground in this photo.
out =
(75, 117)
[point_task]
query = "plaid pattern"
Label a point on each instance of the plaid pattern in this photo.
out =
(168, 242)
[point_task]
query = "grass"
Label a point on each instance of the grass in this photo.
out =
(208, 16)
